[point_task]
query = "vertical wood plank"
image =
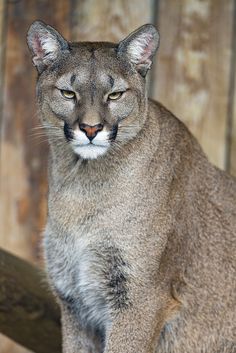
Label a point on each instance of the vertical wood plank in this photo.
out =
(108, 20)
(23, 158)
(6, 345)
(193, 68)
(231, 158)
(2, 51)
(232, 147)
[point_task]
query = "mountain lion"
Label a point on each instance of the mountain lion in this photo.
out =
(139, 243)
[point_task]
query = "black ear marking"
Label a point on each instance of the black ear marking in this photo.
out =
(45, 43)
(140, 47)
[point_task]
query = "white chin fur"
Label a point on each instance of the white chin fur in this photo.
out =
(90, 151)
(82, 146)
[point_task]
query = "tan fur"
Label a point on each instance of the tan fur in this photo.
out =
(140, 242)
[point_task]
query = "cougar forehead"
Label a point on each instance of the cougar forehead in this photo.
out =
(92, 56)
(94, 64)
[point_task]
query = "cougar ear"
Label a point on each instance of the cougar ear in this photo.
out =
(140, 47)
(45, 43)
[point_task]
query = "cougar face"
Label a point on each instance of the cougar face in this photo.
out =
(91, 94)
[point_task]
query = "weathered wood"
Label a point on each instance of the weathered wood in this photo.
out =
(108, 20)
(6, 345)
(232, 167)
(231, 142)
(28, 312)
(4, 341)
(19, 159)
(2, 52)
(192, 71)
(12, 347)
(23, 161)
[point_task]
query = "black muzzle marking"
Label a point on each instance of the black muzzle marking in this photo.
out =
(113, 133)
(68, 132)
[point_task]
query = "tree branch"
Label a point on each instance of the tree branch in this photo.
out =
(28, 312)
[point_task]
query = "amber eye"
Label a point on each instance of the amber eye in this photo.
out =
(115, 95)
(68, 94)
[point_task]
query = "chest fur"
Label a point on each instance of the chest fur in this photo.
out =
(91, 276)
(91, 238)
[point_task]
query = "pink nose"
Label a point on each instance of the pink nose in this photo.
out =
(90, 131)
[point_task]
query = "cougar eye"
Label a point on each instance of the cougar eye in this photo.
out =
(115, 95)
(68, 94)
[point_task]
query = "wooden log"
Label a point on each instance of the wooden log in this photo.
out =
(193, 68)
(28, 312)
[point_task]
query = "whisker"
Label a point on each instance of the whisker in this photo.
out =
(40, 128)
(38, 135)
(46, 141)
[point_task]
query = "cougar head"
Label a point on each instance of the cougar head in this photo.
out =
(92, 94)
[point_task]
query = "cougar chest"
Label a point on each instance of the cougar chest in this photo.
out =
(91, 276)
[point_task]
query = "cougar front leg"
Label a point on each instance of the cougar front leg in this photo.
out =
(74, 338)
(136, 329)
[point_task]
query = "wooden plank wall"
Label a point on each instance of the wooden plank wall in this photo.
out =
(193, 71)
(194, 76)
(231, 136)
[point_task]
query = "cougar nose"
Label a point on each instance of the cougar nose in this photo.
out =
(90, 131)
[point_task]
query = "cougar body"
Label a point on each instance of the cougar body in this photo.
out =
(140, 238)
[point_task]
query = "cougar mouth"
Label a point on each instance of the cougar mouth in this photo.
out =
(90, 150)
(88, 147)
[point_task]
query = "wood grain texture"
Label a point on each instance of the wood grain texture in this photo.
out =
(193, 68)
(231, 135)
(232, 149)
(2, 52)
(108, 20)
(23, 159)
(6, 345)
(12, 347)
(28, 312)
